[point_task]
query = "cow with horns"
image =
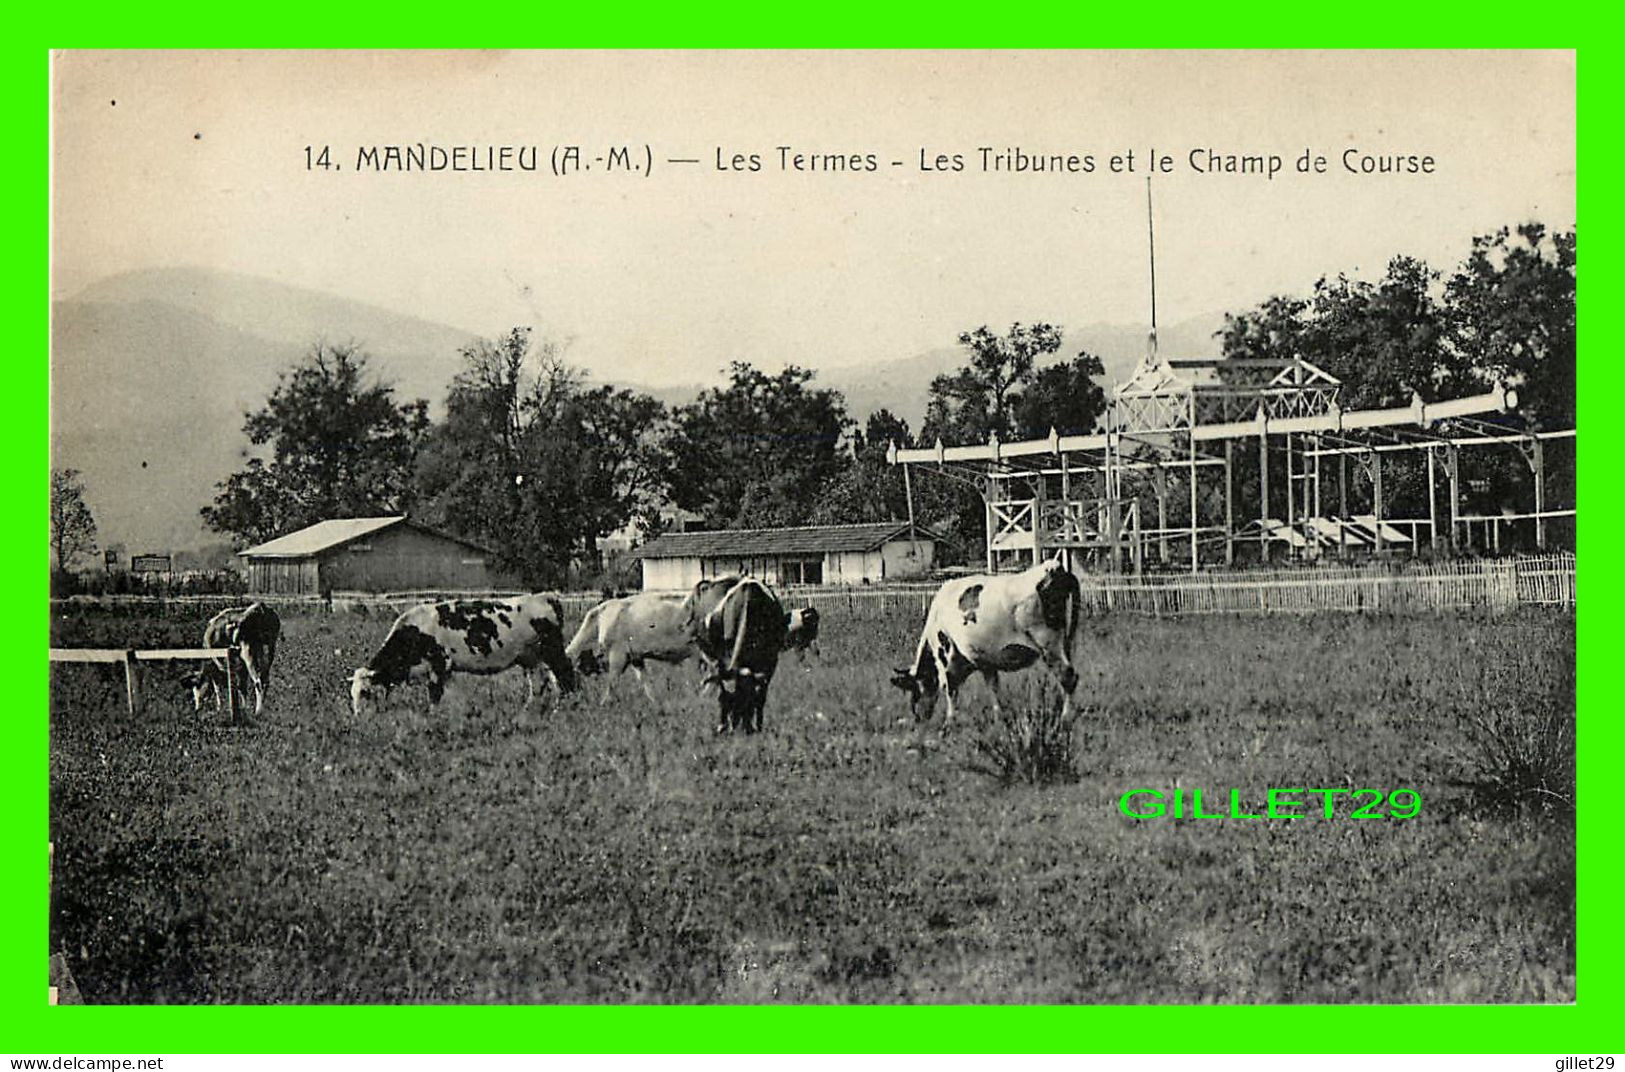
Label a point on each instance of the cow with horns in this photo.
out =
(739, 625)
(992, 624)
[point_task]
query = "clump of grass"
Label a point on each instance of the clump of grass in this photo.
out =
(1523, 760)
(1029, 743)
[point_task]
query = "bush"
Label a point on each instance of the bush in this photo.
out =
(1033, 743)
(1523, 760)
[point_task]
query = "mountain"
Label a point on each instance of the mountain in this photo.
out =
(153, 371)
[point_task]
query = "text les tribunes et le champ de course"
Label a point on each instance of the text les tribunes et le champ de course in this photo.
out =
(571, 159)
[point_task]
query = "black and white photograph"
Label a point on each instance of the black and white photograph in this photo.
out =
(812, 527)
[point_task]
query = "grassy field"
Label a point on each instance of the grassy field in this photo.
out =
(581, 853)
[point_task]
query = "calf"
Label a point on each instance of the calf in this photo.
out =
(739, 625)
(471, 636)
(630, 631)
(252, 632)
(992, 624)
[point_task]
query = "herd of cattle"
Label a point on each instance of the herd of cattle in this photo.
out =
(735, 626)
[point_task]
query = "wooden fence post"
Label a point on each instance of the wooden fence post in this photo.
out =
(231, 686)
(132, 682)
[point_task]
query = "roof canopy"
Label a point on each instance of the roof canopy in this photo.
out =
(806, 539)
(326, 535)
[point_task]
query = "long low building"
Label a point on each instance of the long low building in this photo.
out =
(808, 554)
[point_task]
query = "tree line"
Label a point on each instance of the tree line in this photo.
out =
(535, 461)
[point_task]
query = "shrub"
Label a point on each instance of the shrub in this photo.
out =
(1523, 760)
(1033, 743)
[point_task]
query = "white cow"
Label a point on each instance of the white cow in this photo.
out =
(631, 631)
(990, 624)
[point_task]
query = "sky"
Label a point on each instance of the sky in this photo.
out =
(658, 274)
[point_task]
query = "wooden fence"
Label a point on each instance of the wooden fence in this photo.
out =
(130, 660)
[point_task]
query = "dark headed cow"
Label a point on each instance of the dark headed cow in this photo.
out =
(992, 624)
(471, 636)
(801, 631)
(250, 631)
(739, 625)
(631, 630)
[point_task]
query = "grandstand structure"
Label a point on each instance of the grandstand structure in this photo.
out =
(1158, 485)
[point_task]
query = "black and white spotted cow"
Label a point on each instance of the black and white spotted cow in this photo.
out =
(251, 631)
(990, 624)
(431, 642)
(739, 626)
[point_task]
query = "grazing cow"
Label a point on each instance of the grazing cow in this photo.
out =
(471, 636)
(739, 625)
(801, 631)
(992, 624)
(629, 631)
(251, 632)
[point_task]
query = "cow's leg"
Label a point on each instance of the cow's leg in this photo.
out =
(614, 666)
(560, 670)
(251, 671)
(992, 679)
(1060, 667)
(438, 676)
(643, 679)
(952, 670)
(758, 700)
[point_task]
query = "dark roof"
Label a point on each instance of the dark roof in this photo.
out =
(806, 539)
(326, 535)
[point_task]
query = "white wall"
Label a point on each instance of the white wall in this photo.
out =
(670, 574)
(901, 562)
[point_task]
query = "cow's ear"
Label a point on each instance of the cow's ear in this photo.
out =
(903, 680)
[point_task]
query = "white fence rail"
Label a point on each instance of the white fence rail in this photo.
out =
(1400, 588)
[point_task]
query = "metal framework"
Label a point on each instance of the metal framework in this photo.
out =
(1172, 423)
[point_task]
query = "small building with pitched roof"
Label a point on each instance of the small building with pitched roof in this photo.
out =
(807, 554)
(368, 554)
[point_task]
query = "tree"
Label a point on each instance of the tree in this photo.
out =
(340, 446)
(73, 529)
(1065, 396)
(980, 399)
(758, 451)
(535, 463)
(1512, 310)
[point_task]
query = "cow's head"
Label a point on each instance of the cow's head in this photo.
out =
(921, 689)
(201, 684)
(588, 663)
(363, 690)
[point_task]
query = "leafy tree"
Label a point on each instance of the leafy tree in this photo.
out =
(980, 398)
(535, 463)
(1065, 396)
(340, 446)
(1512, 307)
(758, 451)
(73, 529)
